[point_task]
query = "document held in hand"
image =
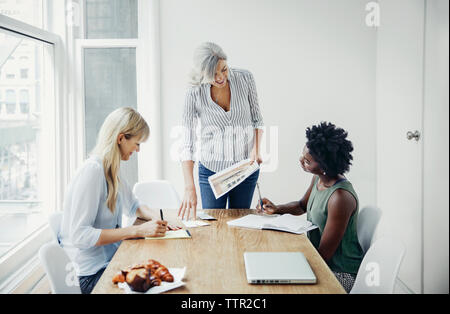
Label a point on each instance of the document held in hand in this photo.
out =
(286, 222)
(224, 181)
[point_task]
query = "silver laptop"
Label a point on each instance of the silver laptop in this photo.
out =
(278, 268)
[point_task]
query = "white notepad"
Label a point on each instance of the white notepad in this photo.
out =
(194, 223)
(286, 222)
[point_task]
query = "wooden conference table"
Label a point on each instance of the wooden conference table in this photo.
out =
(214, 258)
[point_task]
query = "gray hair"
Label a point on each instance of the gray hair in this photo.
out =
(206, 58)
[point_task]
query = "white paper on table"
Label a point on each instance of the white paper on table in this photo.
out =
(286, 222)
(224, 181)
(178, 275)
(194, 223)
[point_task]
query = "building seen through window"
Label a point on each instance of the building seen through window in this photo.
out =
(22, 88)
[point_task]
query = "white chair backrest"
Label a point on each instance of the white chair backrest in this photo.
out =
(379, 268)
(59, 269)
(157, 194)
(368, 218)
(55, 220)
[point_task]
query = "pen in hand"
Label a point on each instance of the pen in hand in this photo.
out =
(162, 219)
(161, 213)
(260, 199)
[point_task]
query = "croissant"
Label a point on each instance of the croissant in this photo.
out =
(135, 266)
(139, 280)
(155, 281)
(152, 265)
(163, 273)
(119, 277)
(141, 277)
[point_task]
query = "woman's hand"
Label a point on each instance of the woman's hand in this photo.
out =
(268, 207)
(189, 203)
(171, 227)
(152, 229)
(255, 156)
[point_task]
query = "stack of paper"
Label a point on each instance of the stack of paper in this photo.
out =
(286, 222)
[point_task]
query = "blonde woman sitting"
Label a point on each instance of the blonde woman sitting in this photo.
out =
(96, 198)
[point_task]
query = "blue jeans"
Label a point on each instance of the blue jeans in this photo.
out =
(238, 198)
(87, 283)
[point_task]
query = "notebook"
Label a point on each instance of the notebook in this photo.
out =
(286, 222)
(173, 234)
(278, 268)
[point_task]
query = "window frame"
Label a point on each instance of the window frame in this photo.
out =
(147, 47)
(27, 249)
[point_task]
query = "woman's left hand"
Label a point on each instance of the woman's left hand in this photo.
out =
(255, 156)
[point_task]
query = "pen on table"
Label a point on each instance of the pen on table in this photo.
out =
(260, 199)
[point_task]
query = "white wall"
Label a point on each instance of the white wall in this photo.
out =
(312, 61)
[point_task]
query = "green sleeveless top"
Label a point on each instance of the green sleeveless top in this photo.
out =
(349, 254)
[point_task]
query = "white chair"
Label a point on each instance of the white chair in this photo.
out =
(59, 269)
(157, 194)
(55, 220)
(379, 268)
(368, 218)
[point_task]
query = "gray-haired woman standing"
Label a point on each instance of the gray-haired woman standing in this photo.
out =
(225, 102)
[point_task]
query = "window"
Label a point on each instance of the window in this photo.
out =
(108, 56)
(112, 19)
(110, 83)
(26, 141)
(23, 73)
(10, 101)
(27, 11)
(33, 150)
(24, 101)
(112, 70)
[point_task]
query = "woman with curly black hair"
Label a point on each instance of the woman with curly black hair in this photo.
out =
(330, 202)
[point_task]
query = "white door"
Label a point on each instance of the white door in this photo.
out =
(436, 149)
(400, 62)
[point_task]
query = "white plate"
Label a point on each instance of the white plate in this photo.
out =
(178, 275)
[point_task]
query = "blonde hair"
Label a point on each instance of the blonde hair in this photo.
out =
(125, 121)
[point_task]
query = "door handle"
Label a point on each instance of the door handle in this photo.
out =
(410, 135)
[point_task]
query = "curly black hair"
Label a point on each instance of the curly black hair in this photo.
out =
(328, 145)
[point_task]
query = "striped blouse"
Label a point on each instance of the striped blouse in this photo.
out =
(226, 137)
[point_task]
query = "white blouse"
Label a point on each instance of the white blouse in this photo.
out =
(86, 214)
